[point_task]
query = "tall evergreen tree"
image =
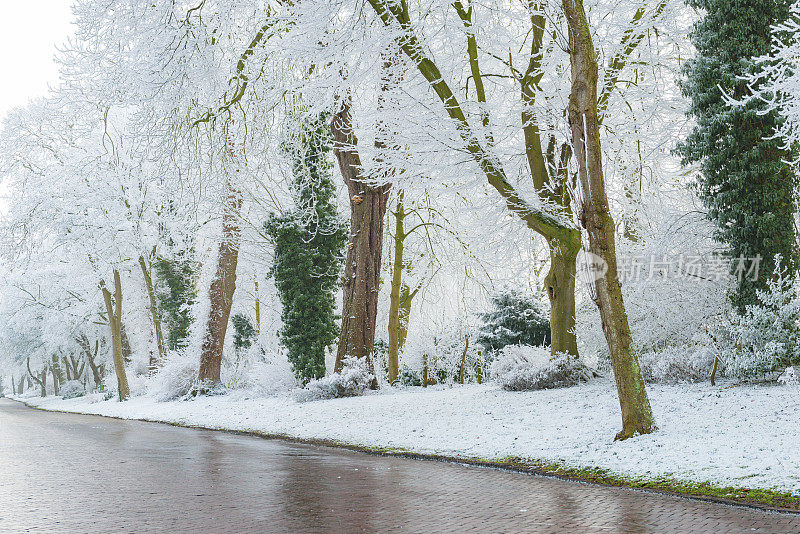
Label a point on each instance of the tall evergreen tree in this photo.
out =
(744, 182)
(309, 250)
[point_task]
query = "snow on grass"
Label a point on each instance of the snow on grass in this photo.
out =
(747, 436)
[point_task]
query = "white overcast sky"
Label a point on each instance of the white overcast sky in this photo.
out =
(30, 30)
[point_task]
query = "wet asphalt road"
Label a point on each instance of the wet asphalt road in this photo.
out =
(66, 473)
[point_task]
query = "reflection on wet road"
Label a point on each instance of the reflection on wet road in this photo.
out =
(82, 474)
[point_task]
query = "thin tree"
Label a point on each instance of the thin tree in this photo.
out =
(551, 215)
(155, 315)
(114, 311)
(41, 379)
(637, 417)
(224, 283)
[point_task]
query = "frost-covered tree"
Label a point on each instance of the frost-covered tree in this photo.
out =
(161, 144)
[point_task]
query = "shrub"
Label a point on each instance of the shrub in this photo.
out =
(789, 376)
(526, 368)
(176, 293)
(176, 378)
(765, 338)
(72, 389)
(516, 319)
(440, 349)
(665, 314)
(353, 380)
(261, 370)
(677, 364)
(409, 376)
(380, 359)
(243, 332)
(272, 376)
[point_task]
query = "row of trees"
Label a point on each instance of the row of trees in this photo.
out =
(189, 143)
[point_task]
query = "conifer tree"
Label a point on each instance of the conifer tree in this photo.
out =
(515, 319)
(309, 249)
(744, 180)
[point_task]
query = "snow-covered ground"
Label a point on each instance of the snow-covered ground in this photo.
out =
(747, 436)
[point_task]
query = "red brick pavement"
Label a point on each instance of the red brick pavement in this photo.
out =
(80, 474)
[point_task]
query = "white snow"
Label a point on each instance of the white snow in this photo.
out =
(746, 436)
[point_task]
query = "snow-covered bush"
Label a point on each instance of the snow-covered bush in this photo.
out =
(244, 333)
(439, 349)
(271, 376)
(677, 364)
(380, 359)
(789, 376)
(353, 380)
(72, 389)
(176, 377)
(669, 314)
(516, 319)
(766, 338)
(263, 369)
(525, 368)
(409, 376)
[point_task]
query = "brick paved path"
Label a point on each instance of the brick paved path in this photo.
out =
(80, 474)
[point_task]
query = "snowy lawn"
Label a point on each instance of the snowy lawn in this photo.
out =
(746, 436)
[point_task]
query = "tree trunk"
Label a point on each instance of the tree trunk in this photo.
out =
(77, 370)
(258, 309)
(97, 373)
(223, 285)
(115, 323)
(462, 369)
(13, 385)
(560, 285)
(400, 296)
(56, 372)
(406, 297)
(125, 343)
(393, 360)
(67, 369)
(363, 264)
(41, 379)
(637, 417)
(714, 372)
(155, 315)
